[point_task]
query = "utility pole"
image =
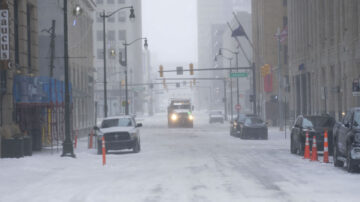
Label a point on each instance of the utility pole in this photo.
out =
(52, 47)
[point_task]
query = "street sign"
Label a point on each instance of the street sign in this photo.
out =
(238, 74)
(238, 107)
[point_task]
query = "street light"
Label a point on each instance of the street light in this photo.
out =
(124, 63)
(68, 149)
(236, 54)
(231, 93)
(104, 16)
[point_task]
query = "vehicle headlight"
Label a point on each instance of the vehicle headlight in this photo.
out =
(174, 117)
(357, 137)
(191, 117)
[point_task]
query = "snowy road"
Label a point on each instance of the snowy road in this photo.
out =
(196, 165)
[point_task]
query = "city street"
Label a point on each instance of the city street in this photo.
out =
(200, 164)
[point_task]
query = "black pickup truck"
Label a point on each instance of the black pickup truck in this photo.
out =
(346, 138)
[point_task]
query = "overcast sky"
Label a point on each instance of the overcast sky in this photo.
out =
(171, 28)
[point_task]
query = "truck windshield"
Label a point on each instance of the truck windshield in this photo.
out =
(121, 122)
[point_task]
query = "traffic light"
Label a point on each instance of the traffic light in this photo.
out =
(265, 70)
(191, 67)
(179, 70)
(161, 71)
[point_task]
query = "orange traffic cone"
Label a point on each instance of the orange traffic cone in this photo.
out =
(103, 151)
(326, 147)
(307, 147)
(314, 156)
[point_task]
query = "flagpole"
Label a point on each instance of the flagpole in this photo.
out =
(280, 80)
(246, 36)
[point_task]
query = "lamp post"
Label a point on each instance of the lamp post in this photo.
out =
(104, 16)
(68, 149)
(231, 93)
(236, 54)
(125, 64)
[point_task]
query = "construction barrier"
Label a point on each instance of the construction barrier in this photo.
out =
(326, 148)
(103, 151)
(91, 135)
(314, 156)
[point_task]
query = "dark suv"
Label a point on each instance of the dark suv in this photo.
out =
(315, 126)
(347, 141)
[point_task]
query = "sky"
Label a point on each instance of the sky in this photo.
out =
(171, 29)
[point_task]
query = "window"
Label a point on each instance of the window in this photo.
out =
(285, 54)
(111, 35)
(110, 1)
(285, 3)
(122, 16)
(100, 53)
(122, 35)
(111, 19)
(121, 1)
(99, 1)
(99, 35)
(98, 17)
(285, 21)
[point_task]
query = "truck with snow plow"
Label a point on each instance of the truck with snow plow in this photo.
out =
(180, 113)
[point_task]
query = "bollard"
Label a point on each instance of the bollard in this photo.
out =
(103, 151)
(75, 142)
(91, 140)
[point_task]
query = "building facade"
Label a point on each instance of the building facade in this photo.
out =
(324, 51)
(229, 60)
(19, 57)
(212, 17)
(119, 30)
(267, 18)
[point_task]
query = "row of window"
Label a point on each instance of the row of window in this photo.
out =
(121, 17)
(100, 53)
(110, 36)
(110, 1)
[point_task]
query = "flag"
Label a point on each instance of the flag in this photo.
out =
(283, 34)
(238, 32)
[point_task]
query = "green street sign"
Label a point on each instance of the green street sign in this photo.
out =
(238, 74)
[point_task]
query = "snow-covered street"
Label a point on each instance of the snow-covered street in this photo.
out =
(200, 164)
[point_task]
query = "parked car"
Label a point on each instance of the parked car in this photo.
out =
(347, 141)
(315, 125)
(216, 116)
(249, 127)
(119, 132)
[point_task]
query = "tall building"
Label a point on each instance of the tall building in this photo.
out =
(80, 49)
(212, 17)
(229, 60)
(119, 29)
(267, 18)
(324, 55)
(19, 55)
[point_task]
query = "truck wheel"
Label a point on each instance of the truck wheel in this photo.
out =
(350, 165)
(337, 163)
(136, 148)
